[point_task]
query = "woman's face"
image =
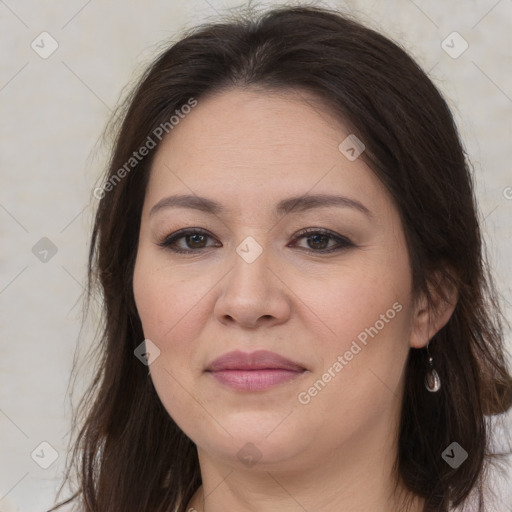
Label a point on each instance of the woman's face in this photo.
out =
(252, 281)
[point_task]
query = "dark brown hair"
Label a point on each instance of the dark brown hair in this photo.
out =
(128, 453)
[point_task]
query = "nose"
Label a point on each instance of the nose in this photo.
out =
(253, 294)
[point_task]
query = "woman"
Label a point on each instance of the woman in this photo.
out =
(298, 314)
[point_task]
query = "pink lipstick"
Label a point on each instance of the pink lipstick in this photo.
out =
(255, 371)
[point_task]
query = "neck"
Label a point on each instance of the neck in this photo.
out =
(199, 503)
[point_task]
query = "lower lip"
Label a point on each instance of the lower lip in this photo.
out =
(255, 380)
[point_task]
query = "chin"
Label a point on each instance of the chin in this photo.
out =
(256, 443)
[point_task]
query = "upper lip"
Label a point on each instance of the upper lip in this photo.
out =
(258, 360)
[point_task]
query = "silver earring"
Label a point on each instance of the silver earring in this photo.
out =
(432, 379)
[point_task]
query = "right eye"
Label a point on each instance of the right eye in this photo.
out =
(194, 238)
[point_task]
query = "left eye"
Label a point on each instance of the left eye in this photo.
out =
(195, 240)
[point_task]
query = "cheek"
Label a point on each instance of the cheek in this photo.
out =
(148, 300)
(363, 315)
(166, 309)
(364, 346)
(355, 299)
(173, 307)
(165, 300)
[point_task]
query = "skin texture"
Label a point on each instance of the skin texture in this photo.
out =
(248, 149)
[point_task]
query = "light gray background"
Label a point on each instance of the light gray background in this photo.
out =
(53, 113)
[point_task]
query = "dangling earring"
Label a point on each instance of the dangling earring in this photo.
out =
(432, 380)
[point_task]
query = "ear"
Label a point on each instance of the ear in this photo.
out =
(429, 318)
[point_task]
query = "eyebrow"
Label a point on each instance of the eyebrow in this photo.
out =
(289, 205)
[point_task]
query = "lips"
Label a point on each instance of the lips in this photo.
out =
(255, 371)
(259, 360)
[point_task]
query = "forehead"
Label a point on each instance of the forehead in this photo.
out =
(250, 145)
(256, 118)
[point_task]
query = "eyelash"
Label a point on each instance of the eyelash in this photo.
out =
(170, 240)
